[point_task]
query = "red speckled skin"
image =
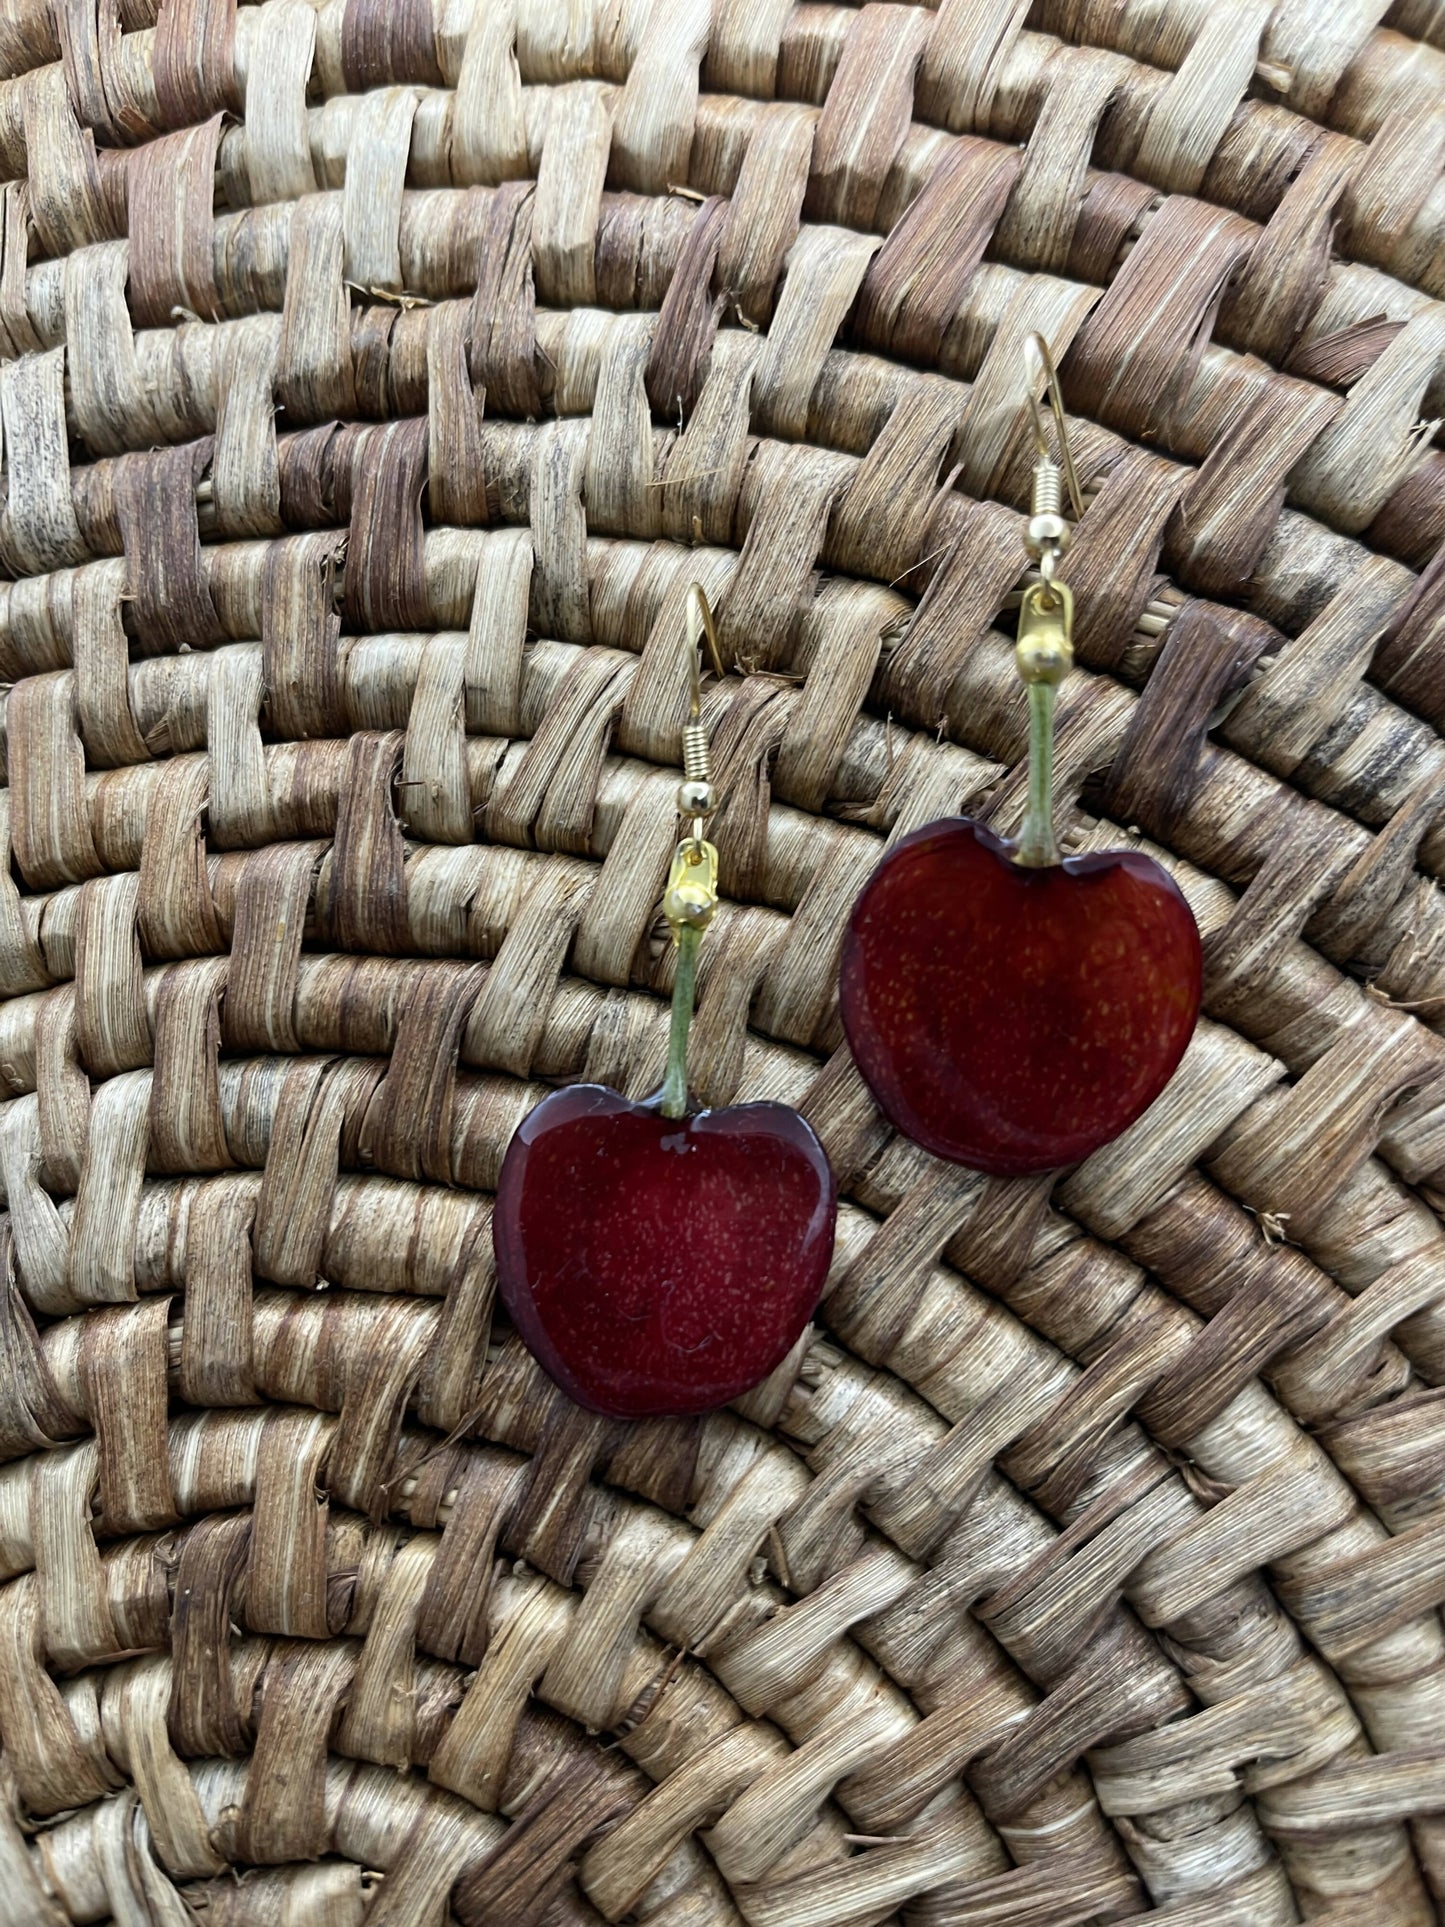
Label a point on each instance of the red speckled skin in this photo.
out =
(656, 1266)
(1015, 1019)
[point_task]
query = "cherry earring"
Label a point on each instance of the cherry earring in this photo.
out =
(1009, 1010)
(659, 1260)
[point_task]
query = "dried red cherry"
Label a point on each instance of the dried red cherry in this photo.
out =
(661, 1265)
(1011, 1016)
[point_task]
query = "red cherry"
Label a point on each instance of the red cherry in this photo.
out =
(656, 1266)
(1015, 1018)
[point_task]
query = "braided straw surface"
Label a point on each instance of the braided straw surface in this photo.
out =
(377, 376)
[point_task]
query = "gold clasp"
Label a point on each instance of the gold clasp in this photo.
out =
(1045, 648)
(691, 895)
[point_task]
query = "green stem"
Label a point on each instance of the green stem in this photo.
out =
(1036, 846)
(684, 989)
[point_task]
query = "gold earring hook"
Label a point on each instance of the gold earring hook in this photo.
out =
(695, 796)
(690, 899)
(701, 628)
(1036, 353)
(1044, 651)
(692, 887)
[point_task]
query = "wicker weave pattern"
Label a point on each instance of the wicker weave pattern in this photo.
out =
(377, 375)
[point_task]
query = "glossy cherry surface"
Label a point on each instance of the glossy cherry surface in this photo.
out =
(1013, 1018)
(657, 1266)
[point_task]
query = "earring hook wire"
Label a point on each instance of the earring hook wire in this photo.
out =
(1036, 352)
(700, 628)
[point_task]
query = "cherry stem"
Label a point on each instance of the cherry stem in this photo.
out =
(684, 990)
(1036, 848)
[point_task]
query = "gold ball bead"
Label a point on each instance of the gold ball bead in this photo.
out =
(1044, 659)
(688, 903)
(1045, 532)
(695, 798)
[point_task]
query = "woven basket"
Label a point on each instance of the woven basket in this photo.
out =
(378, 375)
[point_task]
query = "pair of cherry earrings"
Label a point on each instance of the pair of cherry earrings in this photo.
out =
(1010, 1010)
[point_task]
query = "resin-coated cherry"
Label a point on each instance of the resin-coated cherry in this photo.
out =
(658, 1266)
(1014, 1018)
